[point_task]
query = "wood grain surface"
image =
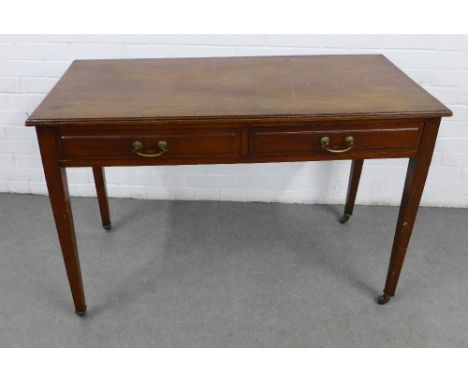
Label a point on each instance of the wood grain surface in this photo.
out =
(312, 87)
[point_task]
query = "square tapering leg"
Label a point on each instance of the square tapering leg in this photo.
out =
(100, 182)
(418, 168)
(57, 185)
(354, 176)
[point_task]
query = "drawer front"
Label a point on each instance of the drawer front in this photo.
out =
(149, 145)
(334, 142)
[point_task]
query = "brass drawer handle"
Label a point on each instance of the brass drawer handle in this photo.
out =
(325, 142)
(137, 146)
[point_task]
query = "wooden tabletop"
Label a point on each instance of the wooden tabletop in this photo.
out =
(312, 87)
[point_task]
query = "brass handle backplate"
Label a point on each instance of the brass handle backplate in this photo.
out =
(325, 142)
(137, 146)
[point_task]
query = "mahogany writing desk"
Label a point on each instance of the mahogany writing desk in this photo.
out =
(154, 112)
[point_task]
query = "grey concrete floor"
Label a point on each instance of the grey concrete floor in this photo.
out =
(218, 274)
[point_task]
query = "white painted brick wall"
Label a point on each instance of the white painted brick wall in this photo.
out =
(31, 65)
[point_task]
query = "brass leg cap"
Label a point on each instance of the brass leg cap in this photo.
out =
(107, 227)
(383, 299)
(343, 219)
(81, 313)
